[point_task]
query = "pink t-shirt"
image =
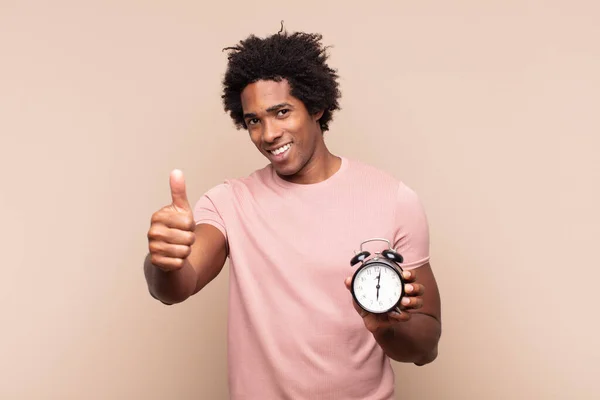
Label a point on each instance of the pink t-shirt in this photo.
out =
(292, 330)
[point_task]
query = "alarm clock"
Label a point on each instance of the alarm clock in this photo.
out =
(377, 284)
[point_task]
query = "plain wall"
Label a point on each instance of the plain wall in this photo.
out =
(488, 109)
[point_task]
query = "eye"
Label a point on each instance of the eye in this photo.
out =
(282, 112)
(252, 121)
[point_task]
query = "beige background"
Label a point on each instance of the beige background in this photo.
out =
(489, 109)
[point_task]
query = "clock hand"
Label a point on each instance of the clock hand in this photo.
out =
(378, 279)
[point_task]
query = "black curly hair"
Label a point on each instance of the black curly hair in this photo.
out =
(298, 58)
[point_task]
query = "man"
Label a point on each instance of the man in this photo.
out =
(289, 231)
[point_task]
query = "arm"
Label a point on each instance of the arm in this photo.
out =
(205, 262)
(184, 256)
(414, 338)
(413, 335)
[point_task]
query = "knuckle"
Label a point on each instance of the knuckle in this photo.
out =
(178, 262)
(153, 232)
(189, 222)
(153, 247)
(191, 238)
(159, 248)
(156, 217)
(155, 260)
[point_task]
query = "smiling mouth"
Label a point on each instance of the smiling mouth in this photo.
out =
(280, 150)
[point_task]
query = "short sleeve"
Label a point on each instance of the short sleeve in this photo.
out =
(411, 239)
(209, 208)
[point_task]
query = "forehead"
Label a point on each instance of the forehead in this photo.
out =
(260, 95)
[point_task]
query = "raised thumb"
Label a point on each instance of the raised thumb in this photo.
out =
(178, 193)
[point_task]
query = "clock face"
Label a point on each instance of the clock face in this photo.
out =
(377, 287)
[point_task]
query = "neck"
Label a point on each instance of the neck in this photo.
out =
(321, 166)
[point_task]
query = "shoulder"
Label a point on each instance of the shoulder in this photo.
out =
(377, 179)
(370, 170)
(233, 185)
(374, 176)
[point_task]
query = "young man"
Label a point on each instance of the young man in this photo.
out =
(289, 231)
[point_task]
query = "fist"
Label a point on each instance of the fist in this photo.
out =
(171, 232)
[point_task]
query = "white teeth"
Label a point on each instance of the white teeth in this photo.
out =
(281, 149)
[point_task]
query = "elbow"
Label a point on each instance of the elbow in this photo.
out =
(167, 301)
(428, 349)
(429, 352)
(427, 357)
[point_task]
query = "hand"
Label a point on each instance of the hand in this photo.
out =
(171, 232)
(412, 300)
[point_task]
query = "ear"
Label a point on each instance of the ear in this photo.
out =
(317, 116)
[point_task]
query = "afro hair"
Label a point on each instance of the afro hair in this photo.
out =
(298, 58)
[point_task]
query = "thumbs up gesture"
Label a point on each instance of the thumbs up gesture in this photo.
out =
(171, 232)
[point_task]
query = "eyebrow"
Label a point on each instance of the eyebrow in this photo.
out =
(270, 109)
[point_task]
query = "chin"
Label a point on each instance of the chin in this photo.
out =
(285, 170)
(288, 169)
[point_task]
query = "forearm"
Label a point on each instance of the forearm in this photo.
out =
(413, 341)
(170, 287)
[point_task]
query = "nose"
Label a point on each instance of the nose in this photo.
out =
(271, 132)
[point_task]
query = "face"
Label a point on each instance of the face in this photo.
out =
(281, 128)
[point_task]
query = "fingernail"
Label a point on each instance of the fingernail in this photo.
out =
(409, 288)
(405, 301)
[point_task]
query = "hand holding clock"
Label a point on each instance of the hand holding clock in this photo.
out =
(413, 299)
